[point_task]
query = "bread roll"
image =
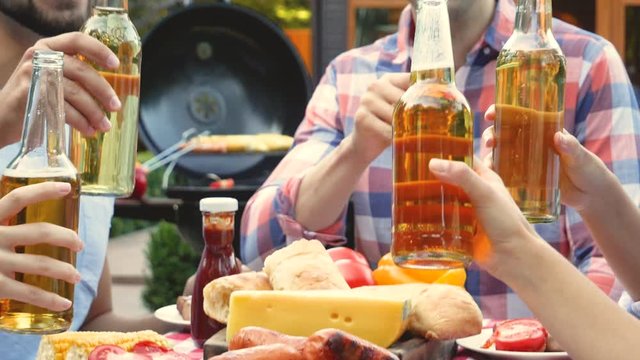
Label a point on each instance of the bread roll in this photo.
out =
(438, 311)
(218, 292)
(303, 265)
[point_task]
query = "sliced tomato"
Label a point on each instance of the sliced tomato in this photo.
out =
(355, 273)
(341, 252)
(102, 352)
(520, 335)
(148, 347)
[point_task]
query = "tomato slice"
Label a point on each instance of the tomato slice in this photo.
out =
(102, 352)
(526, 335)
(341, 252)
(148, 347)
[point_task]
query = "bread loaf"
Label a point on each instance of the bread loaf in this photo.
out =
(303, 265)
(218, 292)
(438, 311)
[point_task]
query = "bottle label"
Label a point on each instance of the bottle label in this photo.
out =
(432, 47)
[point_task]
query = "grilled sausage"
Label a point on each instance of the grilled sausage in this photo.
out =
(333, 344)
(251, 336)
(262, 352)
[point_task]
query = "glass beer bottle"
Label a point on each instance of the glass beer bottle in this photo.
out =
(43, 158)
(530, 81)
(433, 223)
(106, 161)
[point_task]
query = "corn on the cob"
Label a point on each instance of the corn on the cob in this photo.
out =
(78, 345)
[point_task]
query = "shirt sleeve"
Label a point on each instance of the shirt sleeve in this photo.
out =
(268, 220)
(608, 124)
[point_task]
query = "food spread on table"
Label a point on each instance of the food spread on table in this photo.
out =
(523, 335)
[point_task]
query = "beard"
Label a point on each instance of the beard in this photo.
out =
(46, 17)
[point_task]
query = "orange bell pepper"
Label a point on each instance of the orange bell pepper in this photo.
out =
(388, 273)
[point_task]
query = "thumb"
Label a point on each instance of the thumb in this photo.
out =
(572, 154)
(460, 174)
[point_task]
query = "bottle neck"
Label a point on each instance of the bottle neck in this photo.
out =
(44, 129)
(112, 4)
(534, 17)
(432, 49)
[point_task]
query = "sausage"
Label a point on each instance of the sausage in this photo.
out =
(333, 344)
(251, 336)
(262, 352)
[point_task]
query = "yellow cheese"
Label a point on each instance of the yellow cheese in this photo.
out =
(301, 313)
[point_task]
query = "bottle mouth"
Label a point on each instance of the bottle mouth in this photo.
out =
(48, 58)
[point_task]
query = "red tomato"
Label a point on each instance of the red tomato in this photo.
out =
(520, 335)
(222, 184)
(355, 273)
(102, 352)
(148, 347)
(341, 252)
(140, 185)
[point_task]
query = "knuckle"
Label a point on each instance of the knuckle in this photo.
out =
(71, 89)
(32, 294)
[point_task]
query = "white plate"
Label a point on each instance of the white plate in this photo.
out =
(474, 343)
(170, 314)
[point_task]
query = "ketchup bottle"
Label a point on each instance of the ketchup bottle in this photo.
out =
(218, 259)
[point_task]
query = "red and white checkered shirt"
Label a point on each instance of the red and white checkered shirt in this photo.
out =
(601, 111)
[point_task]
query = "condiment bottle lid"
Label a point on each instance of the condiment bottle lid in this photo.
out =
(219, 204)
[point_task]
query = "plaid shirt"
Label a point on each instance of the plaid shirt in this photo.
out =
(601, 111)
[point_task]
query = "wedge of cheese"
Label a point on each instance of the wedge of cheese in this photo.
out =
(301, 313)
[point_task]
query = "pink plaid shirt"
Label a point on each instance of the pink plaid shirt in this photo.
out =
(601, 111)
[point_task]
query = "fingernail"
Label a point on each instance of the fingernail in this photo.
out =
(113, 62)
(115, 103)
(65, 303)
(63, 188)
(105, 124)
(438, 165)
(77, 277)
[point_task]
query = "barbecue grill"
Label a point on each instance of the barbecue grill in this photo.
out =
(224, 69)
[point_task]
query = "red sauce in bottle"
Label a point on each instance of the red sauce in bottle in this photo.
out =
(218, 260)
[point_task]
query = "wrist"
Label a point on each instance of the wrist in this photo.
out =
(514, 265)
(360, 156)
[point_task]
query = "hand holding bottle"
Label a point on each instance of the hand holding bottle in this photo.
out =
(86, 92)
(372, 133)
(583, 176)
(31, 234)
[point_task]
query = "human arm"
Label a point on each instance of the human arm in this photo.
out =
(585, 322)
(32, 234)
(101, 316)
(86, 92)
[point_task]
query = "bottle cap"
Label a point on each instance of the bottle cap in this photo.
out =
(220, 204)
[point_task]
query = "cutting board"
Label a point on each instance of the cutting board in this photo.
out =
(407, 348)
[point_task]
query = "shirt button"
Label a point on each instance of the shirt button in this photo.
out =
(486, 50)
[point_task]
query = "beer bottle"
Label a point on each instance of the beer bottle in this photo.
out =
(433, 223)
(106, 161)
(43, 158)
(530, 80)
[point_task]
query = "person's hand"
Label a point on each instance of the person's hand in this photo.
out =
(87, 94)
(32, 234)
(374, 116)
(583, 176)
(503, 229)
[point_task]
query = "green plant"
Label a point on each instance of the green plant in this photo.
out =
(171, 262)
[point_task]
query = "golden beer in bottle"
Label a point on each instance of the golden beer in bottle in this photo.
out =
(43, 158)
(530, 81)
(433, 223)
(106, 161)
